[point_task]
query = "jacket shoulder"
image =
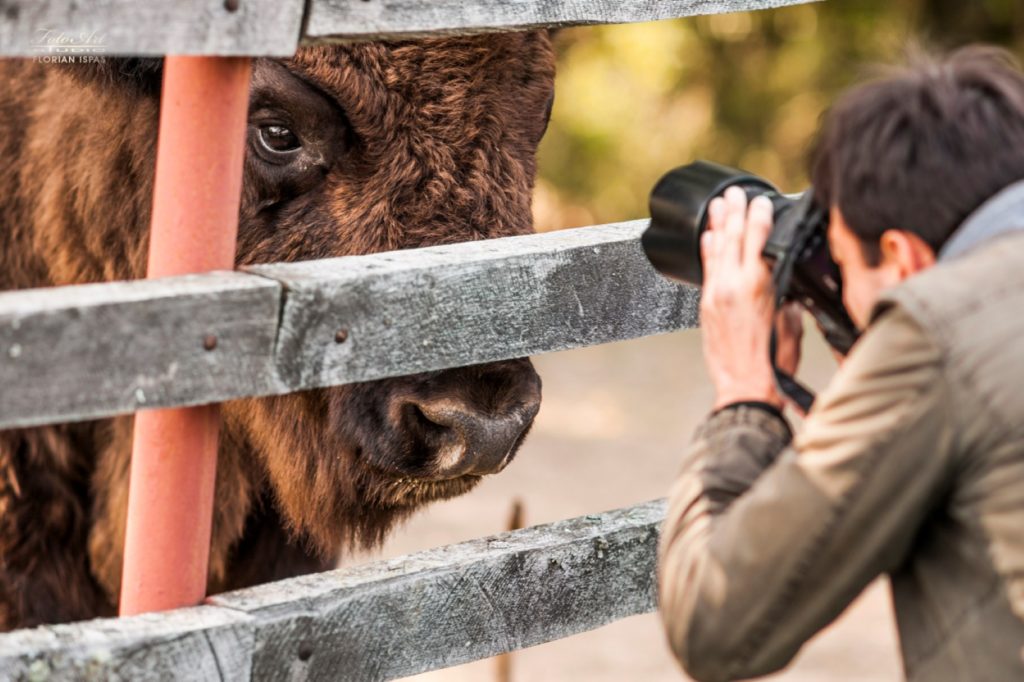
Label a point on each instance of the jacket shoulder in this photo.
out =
(970, 308)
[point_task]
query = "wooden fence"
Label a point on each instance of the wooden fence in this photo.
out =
(84, 352)
(394, 618)
(279, 27)
(89, 351)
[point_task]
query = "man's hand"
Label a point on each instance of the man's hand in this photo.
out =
(789, 333)
(737, 305)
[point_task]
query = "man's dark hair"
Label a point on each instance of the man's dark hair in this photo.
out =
(922, 147)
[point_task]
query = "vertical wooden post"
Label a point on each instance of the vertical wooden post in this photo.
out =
(200, 153)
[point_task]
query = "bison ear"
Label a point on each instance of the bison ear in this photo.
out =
(140, 74)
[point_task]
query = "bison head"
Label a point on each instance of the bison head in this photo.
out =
(374, 147)
(351, 149)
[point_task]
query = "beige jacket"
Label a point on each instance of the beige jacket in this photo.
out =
(911, 464)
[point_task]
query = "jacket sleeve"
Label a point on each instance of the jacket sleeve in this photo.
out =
(767, 541)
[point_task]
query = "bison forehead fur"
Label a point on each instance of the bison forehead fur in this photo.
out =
(351, 149)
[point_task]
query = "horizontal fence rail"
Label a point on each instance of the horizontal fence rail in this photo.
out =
(402, 18)
(380, 621)
(90, 351)
(53, 28)
(95, 350)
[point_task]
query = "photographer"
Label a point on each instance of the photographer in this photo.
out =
(911, 463)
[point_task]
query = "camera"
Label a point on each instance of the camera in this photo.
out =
(797, 247)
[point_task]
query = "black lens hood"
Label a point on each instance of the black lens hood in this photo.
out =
(679, 205)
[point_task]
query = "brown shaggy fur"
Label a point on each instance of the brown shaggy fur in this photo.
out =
(402, 145)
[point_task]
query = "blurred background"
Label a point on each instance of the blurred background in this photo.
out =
(745, 89)
(632, 102)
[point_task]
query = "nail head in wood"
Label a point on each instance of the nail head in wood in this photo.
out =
(231, 5)
(209, 342)
(341, 336)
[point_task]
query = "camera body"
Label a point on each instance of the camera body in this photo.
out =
(797, 247)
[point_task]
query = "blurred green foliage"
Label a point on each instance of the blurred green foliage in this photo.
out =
(745, 89)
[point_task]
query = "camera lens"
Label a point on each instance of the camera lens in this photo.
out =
(679, 205)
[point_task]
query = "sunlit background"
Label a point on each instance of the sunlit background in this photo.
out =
(743, 89)
(633, 102)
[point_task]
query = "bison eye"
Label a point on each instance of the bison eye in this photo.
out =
(277, 139)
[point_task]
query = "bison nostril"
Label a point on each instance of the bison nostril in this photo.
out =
(467, 441)
(419, 424)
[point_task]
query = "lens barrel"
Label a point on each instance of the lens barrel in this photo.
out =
(797, 247)
(679, 205)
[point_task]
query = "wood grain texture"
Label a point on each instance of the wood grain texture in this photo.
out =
(48, 28)
(427, 309)
(392, 18)
(81, 352)
(29, 28)
(200, 643)
(380, 621)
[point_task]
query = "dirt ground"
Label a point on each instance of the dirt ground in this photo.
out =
(610, 433)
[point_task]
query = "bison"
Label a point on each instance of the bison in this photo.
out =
(351, 149)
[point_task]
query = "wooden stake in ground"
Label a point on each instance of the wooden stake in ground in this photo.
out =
(503, 662)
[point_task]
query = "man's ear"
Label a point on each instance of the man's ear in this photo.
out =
(906, 252)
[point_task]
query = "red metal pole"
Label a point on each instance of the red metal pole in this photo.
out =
(200, 152)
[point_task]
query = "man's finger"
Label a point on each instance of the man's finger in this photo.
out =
(759, 225)
(716, 213)
(716, 222)
(735, 219)
(789, 321)
(707, 240)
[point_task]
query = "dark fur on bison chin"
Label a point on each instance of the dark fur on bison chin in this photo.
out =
(340, 487)
(398, 499)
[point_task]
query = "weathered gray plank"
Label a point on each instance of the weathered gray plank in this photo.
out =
(458, 603)
(446, 306)
(48, 28)
(84, 352)
(380, 621)
(200, 643)
(81, 352)
(392, 18)
(68, 28)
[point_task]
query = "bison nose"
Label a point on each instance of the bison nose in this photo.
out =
(470, 442)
